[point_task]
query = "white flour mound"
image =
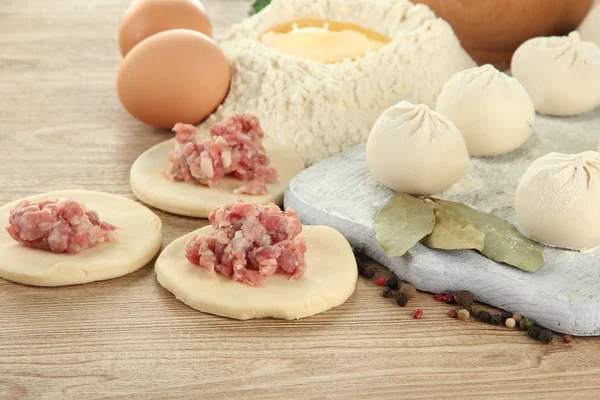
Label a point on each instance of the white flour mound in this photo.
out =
(323, 109)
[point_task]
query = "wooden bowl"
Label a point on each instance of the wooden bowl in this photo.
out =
(491, 30)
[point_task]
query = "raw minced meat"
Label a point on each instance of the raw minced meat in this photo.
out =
(250, 242)
(234, 148)
(61, 226)
(254, 187)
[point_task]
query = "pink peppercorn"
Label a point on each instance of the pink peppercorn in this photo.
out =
(381, 281)
(418, 314)
(448, 298)
(438, 297)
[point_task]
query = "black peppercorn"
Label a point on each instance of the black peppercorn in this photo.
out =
(475, 310)
(369, 272)
(402, 299)
(361, 268)
(464, 298)
(484, 316)
(545, 336)
(534, 332)
(392, 282)
(497, 319)
(387, 292)
(506, 315)
(358, 255)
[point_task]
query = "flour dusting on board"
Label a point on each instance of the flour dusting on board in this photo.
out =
(490, 183)
(564, 295)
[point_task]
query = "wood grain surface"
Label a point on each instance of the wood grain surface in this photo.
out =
(62, 127)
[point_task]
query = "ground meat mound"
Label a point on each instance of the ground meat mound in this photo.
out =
(61, 226)
(250, 242)
(235, 148)
(254, 187)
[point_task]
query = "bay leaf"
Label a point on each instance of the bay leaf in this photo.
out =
(452, 232)
(503, 242)
(402, 223)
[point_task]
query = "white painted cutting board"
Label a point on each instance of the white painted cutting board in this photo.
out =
(563, 296)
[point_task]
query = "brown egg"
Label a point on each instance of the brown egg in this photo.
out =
(148, 17)
(174, 76)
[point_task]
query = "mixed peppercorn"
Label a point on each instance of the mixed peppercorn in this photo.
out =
(403, 292)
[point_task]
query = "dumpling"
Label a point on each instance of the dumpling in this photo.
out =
(412, 149)
(558, 200)
(561, 74)
(590, 27)
(492, 110)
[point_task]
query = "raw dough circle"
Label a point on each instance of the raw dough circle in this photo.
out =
(328, 281)
(150, 185)
(140, 239)
(561, 74)
(415, 150)
(557, 200)
(491, 110)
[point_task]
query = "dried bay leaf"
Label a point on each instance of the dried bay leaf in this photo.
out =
(452, 232)
(402, 223)
(503, 242)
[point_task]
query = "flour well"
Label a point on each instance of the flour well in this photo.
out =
(322, 109)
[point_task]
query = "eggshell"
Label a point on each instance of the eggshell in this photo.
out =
(148, 17)
(174, 76)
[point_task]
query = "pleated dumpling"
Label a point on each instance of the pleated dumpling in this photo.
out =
(558, 200)
(491, 109)
(414, 150)
(561, 74)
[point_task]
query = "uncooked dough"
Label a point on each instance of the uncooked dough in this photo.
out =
(558, 200)
(491, 110)
(150, 185)
(329, 280)
(590, 27)
(140, 238)
(415, 150)
(561, 74)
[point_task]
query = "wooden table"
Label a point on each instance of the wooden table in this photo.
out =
(62, 126)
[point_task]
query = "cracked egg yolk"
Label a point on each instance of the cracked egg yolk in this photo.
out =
(323, 41)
